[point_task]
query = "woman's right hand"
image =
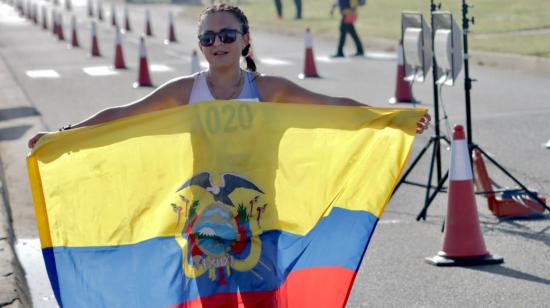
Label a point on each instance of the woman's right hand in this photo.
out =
(35, 139)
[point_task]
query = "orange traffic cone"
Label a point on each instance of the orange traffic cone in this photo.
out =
(195, 64)
(463, 242)
(27, 10)
(60, 35)
(119, 57)
(44, 18)
(90, 8)
(127, 20)
(35, 13)
(144, 80)
(113, 15)
(148, 30)
(100, 10)
(403, 91)
(309, 65)
(74, 36)
(95, 47)
(509, 202)
(54, 22)
(171, 33)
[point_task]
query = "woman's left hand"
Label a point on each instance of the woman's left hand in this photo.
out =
(423, 123)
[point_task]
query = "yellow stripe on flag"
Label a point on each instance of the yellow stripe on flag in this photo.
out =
(117, 183)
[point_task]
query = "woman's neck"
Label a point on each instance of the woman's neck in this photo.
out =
(224, 78)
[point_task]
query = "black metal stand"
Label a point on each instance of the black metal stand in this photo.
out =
(438, 138)
(435, 141)
(471, 145)
(467, 87)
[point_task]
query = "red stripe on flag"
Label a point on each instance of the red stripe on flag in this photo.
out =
(312, 287)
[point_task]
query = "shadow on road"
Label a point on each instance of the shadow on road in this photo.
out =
(13, 132)
(508, 272)
(17, 112)
(519, 228)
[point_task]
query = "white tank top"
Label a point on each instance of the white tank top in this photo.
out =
(201, 93)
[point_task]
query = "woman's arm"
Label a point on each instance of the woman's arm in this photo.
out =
(171, 94)
(281, 90)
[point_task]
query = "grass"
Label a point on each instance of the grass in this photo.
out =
(495, 28)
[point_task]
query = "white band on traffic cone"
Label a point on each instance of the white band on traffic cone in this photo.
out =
(461, 168)
(94, 30)
(73, 23)
(308, 39)
(117, 37)
(399, 54)
(142, 50)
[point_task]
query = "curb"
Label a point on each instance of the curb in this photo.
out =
(14, 291)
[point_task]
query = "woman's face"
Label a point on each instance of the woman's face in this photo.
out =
(219, 54)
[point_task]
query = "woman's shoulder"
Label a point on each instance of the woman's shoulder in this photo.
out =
(270, 87)
(271, 82)
(179, 82)
(178, 88)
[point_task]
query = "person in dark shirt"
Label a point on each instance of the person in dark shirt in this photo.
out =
(348, 11)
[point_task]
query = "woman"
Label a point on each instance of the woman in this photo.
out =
(223, 38)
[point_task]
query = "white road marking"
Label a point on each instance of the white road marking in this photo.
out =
(389, 221)
(42, 74)
(8, 15)
(274, 62)
(380, 55)
(160, 68)
(95, 71)
(328, 59)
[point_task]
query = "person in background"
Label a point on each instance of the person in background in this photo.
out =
(298, 4)
(279, 8)
(348, 11)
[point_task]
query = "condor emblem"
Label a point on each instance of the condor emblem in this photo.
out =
(219, 236)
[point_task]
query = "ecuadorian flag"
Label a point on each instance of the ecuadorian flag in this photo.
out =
(219, 204)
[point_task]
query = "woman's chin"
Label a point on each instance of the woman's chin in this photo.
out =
(222, 63)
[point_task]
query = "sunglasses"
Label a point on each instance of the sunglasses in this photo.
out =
(227, 36)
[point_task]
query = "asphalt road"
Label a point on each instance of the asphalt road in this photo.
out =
(510, 117)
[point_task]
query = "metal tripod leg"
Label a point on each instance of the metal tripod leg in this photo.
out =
(429, 197)
(416, 160)
(430, 173)
(424, 211)
(531, 194)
